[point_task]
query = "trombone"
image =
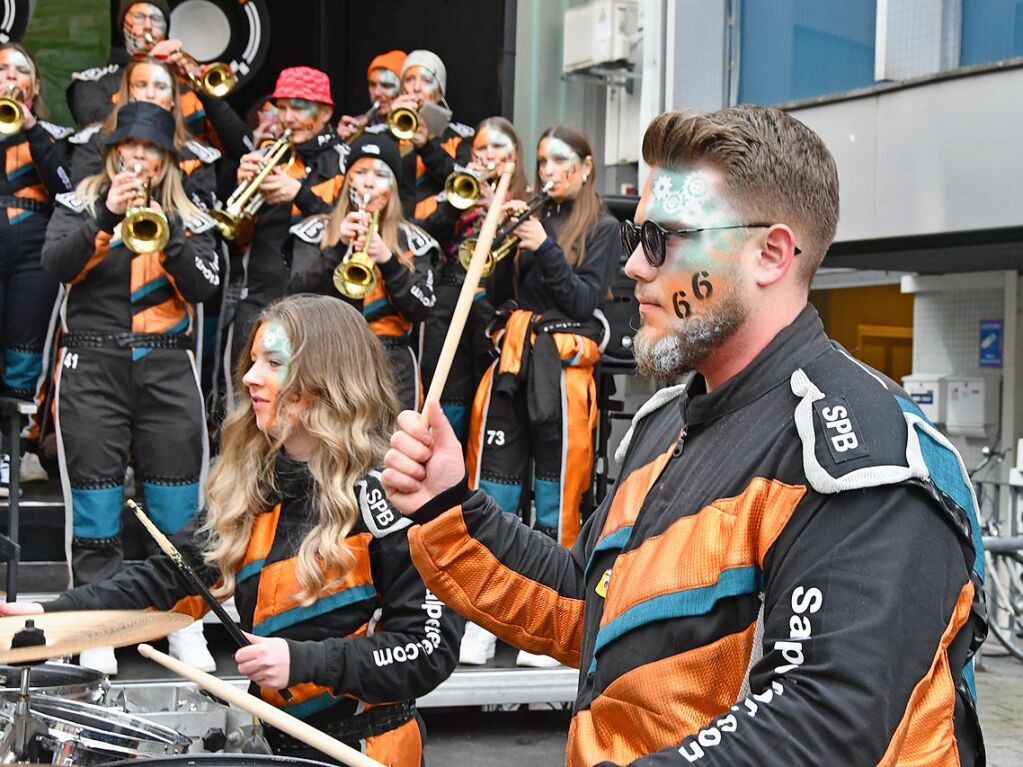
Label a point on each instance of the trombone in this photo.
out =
(505, 238)
(355, 276)
(12, 113)
(144, 230)
(245, 201)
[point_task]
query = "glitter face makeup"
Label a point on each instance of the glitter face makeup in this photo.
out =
(143, 19)
(420, 82)
(372, 178)
(491, 147)
(271, 359)
(149, 156)
(153, 84)
(305, 118)
(17, 74)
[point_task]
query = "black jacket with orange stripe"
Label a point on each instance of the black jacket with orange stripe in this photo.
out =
(319, 164)
(111, 289)
(35, 166)
(401, 296)
(787, 572)
(344, 653)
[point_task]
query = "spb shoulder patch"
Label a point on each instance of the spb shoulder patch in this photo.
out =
(71, 201)
(838, 427)
(310, 230)
(418, 241)
(379, 516)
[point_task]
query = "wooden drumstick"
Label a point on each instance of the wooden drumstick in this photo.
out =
(468, 292)
(270, 714)
(197, 585)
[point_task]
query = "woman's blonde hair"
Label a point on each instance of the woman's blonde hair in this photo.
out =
(338, 369)
(167, 187)
(390, 217)
(123, 96)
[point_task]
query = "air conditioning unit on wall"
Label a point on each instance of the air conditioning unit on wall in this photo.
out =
(598, 34)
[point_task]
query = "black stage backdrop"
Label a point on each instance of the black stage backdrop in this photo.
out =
(474, 38)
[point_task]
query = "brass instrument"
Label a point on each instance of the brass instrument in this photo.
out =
(462, 189)
(364, 119)
(144, 230)
(403, 123)
(245, 201)
(507, 242)
(355, 277)
(217, 79)
(12, 113)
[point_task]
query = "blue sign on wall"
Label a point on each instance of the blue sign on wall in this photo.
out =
(991, 335)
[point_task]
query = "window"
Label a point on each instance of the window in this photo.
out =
(992, 30)
(796, 49)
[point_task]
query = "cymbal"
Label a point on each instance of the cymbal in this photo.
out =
(68, 633)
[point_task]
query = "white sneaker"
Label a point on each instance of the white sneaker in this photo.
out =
(32, 470)
(188, 645)
(478, 646)
(101, 659)
(535, 661)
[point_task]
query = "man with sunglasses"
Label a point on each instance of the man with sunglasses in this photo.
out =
(787, 571)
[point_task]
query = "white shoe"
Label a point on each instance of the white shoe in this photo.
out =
(32, 470)
(189, 646)
(478, 646)
(535, 661)
(101, 659)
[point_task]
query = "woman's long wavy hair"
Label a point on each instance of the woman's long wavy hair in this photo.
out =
(167, 187)
(339, 371)
(38, 104)
(123, 96)
(390, 217)
(587, 207)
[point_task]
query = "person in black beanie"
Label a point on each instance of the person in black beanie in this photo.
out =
(401, 291)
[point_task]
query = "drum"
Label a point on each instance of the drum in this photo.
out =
(60, 680)
(90, 735)
(219, 760)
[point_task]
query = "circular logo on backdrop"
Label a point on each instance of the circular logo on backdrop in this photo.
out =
(236, 32)
(15, 16)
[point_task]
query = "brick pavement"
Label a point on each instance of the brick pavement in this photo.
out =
(1000, 695)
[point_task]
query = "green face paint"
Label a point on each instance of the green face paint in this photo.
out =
(277, 348)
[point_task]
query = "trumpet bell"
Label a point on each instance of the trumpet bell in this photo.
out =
(354, 277)
(227, 224)
(219, 80)
(462, 190)
(145, 231)
(465, 251)
(403, 124)
(12, 116)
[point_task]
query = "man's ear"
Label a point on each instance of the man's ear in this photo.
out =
(776, 256)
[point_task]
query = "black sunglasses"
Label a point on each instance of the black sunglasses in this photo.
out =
(653, 237)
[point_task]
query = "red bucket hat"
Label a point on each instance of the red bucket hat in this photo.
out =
(303, 83)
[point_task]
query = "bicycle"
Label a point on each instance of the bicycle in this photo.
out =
(1003, 555)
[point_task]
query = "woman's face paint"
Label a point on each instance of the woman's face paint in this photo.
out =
(561, 167)
(421, 83)
(491, 147)
(153, 84)
(383, 87)
(305, 118)
(17, 75)
(140, 20)
(136, 153)
(695, 300)
(372, 178)
(271, 360)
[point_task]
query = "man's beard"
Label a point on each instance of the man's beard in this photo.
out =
(686, 343)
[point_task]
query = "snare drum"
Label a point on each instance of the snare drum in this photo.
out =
(91, 735)
(58, 679)
(221, 760)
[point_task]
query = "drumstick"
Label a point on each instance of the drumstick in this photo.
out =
(193, 580)
(270, 714)
(468, 292)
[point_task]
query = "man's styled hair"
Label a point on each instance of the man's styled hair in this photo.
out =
(774, 168)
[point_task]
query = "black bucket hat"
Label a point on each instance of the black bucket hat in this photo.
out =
(142, 120)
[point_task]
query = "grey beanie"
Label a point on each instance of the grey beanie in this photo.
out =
(428, 60)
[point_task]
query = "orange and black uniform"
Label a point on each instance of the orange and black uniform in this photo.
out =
(788, 571)
(35, 169)
(402, 295)
(126, 374)
(353, 674)
(538, 398)
(258, 272)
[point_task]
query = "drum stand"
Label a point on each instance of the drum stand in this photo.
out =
(10, 551)
(23, 738)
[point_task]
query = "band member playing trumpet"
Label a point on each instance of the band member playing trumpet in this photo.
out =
(126, 376)
(384, 80)
(33, 171)
(430, 153)
(394, 288)
(297, 529)
(306, 185)
(548, 299)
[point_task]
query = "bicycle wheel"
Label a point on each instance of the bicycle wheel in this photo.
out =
(1004, 589)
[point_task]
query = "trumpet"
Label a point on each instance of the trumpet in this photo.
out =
(507, 242)
(144, 230)
(245, 201)
(355, 276)
(462, 187)
(403, 123)
(217, 79)
(364, 119)
(12, 113)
